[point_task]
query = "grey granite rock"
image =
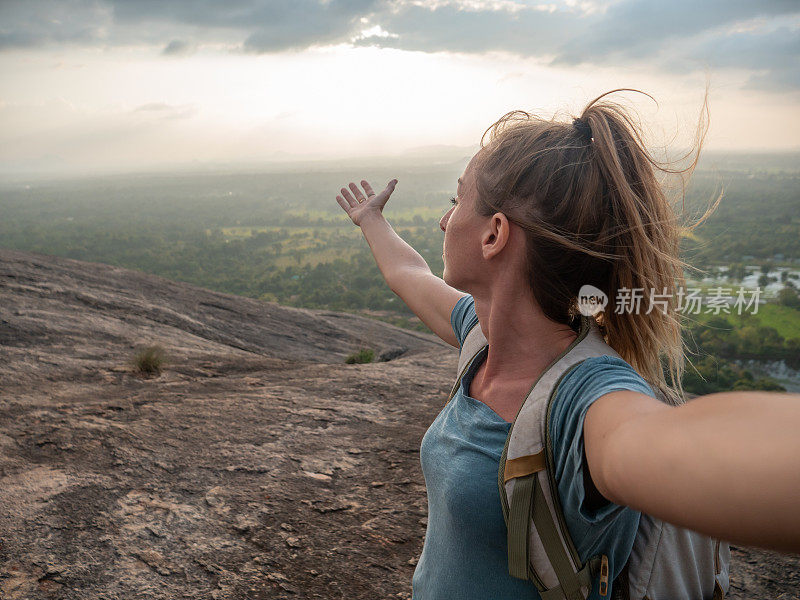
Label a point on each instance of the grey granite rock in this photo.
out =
(256, 465)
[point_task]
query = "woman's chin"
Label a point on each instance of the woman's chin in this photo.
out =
(451, 282)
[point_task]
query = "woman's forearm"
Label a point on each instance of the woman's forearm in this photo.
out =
(725, 464)
(406, 272)
(391, 252)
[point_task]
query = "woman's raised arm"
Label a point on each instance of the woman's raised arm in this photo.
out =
(726, 464)
(404, 270)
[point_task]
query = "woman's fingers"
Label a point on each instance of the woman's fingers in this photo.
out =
(367, 188)
(384, 195)
(390, 186)
(348, 197)
(357, 192)
(352, 196)
(343, 203)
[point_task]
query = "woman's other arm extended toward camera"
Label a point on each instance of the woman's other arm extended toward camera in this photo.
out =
(404, 270)
(726, 464)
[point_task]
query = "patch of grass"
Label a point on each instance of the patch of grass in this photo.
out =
(784, 319)
(365, 355)
(149, 360)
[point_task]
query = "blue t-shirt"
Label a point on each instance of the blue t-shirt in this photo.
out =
(465, 552)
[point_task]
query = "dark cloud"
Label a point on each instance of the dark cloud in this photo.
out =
(305, 23)
(263, 26)
(753, 49)
(26, 24)
(634, 29)
(177, 48)
(779, 49)
(237, 14)
(449, 28)
(255, 25)
(18, 39)
(676, 35)
(773, 55)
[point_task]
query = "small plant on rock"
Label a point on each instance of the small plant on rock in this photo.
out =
(149, 360)
(365, 355)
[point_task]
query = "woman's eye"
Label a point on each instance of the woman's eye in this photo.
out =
(453, 200)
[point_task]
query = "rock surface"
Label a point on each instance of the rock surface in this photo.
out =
(257, 465)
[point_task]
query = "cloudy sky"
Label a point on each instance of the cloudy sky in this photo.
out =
(93, 85)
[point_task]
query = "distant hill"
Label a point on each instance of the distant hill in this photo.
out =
(256, 465)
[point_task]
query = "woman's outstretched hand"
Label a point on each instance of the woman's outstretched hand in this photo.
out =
(359, 204)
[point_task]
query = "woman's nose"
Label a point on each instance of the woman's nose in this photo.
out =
(444, 219)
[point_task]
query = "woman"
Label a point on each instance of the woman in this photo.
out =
(541, 210)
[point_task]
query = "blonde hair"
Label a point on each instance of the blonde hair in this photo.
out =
(594, 212)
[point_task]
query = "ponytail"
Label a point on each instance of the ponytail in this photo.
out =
(594, 212)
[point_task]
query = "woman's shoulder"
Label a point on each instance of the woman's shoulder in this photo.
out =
(605, 371)
(588, 381)
(463, 318)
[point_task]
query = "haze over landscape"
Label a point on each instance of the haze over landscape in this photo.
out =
(96, 86)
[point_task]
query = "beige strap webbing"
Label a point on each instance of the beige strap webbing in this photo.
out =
(473, 344)
(524, 465)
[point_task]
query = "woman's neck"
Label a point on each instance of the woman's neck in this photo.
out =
(522, 340)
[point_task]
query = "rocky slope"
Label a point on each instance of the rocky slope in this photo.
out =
(257, 465)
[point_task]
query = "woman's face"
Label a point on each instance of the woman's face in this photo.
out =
(462, 228)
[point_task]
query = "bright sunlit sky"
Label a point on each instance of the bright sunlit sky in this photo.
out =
(96, 85)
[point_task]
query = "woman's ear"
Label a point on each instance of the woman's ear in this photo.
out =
(496, 235)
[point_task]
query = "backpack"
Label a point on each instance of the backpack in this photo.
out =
(666, 561)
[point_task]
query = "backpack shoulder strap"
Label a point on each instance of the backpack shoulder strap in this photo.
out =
(473, 344)
(539, 544)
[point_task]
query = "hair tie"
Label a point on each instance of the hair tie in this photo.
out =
(583, 128)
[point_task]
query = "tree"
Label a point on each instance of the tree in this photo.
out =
(789, 297)
(736, 272)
